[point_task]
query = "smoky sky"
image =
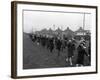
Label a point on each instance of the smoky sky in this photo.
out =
(38, 20)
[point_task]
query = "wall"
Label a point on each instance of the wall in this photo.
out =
(5, 41)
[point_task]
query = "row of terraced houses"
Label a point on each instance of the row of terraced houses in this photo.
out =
(67, 32)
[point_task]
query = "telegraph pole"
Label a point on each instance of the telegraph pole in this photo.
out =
(83, 22)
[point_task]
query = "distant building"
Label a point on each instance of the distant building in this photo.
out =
(68, 33)
(50, 31)
(42, 32)
(58, 31)
(81, 32)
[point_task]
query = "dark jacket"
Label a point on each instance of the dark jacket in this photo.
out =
(81, 53)
(71, 48)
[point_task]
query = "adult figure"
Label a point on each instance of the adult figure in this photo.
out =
(71, 48)
(81, 52)
(58, 45)
(51, 45)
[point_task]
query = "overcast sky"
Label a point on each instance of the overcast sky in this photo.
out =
(36, 20)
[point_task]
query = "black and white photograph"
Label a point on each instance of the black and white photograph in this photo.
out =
(55, 39)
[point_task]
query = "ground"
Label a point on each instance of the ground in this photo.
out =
(36, 56)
